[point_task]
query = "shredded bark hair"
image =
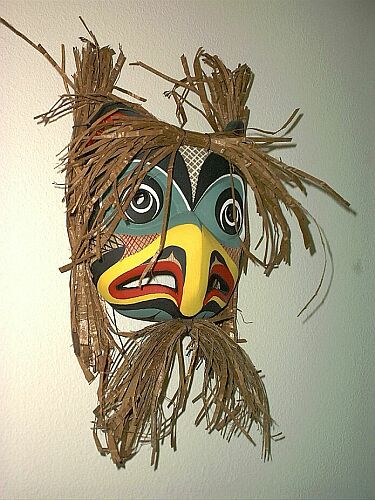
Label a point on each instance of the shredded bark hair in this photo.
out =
(133, 396)
(133, 378)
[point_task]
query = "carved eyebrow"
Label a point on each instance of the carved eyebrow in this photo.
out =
(234, 176)
(177, 187)
(181, 177)
(214, 167)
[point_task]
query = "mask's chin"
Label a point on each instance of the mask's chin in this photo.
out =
(138, 321)
(126, 323)
(151, 314)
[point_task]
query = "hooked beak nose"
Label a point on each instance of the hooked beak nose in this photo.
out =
(210, 272)
(196, 272)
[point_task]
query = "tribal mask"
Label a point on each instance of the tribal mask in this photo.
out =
(158, 227)
(197, 271)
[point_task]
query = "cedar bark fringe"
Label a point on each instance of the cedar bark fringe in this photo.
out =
(134, 399)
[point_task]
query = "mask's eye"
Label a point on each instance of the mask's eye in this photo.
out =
(146, 203)
(229, 212)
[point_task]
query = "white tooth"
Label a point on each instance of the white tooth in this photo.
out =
(132, 284)
(161, 279)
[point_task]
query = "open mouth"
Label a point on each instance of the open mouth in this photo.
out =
(220, 280)
(162, 279)
(217, 282)
(167, 277)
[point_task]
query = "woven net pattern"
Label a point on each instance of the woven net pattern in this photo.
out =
(194, 158)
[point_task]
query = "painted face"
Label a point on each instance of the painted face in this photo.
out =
(198, 268)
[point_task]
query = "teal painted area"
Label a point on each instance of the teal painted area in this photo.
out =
(158, 314)
(205, 315)
(205, 209)
(146, 314)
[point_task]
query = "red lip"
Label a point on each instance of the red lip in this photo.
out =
(161, 267)
(221, 274)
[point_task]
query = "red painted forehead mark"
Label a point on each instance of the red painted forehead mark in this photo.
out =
(108, 119)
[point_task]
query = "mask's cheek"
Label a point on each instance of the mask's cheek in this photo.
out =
(117, 278)
(110, 257)
(118, 247)
(234, 254)
(130, 243)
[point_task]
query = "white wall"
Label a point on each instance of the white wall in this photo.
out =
(320, 375)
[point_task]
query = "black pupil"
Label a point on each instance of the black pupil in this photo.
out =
(141, 199)
(230, 213)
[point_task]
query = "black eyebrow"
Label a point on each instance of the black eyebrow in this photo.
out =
(180, 175)
(214, 166)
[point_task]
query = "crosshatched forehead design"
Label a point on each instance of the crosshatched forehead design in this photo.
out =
(194, 158)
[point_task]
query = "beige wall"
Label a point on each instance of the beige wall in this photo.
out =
(320, 375)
